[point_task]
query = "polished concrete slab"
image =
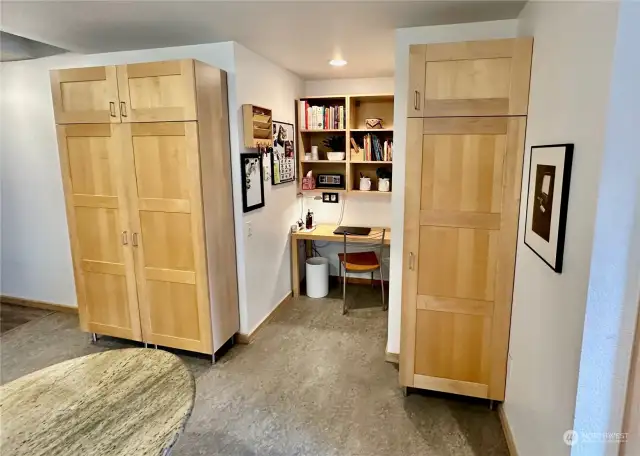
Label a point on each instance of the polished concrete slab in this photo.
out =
(12, 316)
(314, 382)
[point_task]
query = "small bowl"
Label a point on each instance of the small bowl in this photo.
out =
(335, 156)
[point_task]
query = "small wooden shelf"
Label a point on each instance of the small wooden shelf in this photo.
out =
(342, 130)
(370, 192)
(373, 162)
(257, 123)
(372, 130)
(323, 161)
(321, 190)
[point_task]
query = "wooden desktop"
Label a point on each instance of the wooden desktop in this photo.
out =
(324, 232)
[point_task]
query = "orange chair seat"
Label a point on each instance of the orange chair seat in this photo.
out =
(360, 261)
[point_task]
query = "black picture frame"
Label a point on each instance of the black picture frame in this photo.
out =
(252, 174)
(545, 228)
(279, 151)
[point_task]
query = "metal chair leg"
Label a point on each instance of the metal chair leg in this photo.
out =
(384, 302)
(344, 291)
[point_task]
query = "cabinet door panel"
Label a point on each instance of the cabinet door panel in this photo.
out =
(85, 95)
(477, 78)
(157, 92)
(415, 95)
(163, 163)
(461, 216)
(97, 213)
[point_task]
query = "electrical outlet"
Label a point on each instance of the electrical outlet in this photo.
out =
(329, 197)
(249, 229)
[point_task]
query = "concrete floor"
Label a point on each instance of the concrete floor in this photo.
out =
(12, 316)
(314, 382)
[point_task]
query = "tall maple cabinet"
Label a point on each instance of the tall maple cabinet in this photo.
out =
(145, 160)
(466, 119)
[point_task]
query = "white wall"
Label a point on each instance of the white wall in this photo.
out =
(614, 281)
(359, 210)
(267, 258)
(405, 37)
(358, 86)
(570, 77)
(36, 256)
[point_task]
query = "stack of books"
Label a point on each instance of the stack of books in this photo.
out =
(321, 117)
(374, 150)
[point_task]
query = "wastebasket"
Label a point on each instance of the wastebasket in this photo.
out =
(317, 277)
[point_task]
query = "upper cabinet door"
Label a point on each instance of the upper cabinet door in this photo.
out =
(477, 78)
(157, 91)
(415, 102)
(85, 95)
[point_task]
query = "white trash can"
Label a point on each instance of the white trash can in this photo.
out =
(317, 277)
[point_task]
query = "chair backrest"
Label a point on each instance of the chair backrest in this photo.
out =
(374, 235)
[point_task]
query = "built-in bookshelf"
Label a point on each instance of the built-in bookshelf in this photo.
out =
(366, 149)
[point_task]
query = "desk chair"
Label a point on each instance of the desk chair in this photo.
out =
(360, 262)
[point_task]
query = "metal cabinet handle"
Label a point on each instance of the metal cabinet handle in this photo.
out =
(123, 109)
(416, 100)
(125, 240)
(112, 108)
(134, 240)
(412, 262)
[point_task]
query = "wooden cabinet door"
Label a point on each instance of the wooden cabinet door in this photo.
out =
(461, 220)
(85, 95)
(157, 91)
(169, 247)
(415, 96)
(477, 78)
(98, 218)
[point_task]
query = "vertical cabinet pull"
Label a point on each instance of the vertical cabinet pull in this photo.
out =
(412, 262)
(125, 240)
(134, 240)
(112, 108)
(123, 109)
(416, 100)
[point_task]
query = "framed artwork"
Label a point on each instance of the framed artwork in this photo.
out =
(266, 162)
(547, 200)
(283, 156)
(252, 181)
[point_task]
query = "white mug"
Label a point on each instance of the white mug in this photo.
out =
(383, 184)
(365, 184)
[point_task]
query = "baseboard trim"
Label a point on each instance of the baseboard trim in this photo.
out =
(393, 358)
(249, 338)
(506, 429)
(37, 304)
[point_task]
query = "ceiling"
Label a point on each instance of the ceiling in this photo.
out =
(301, 36)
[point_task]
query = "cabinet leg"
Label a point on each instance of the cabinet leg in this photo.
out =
(155, 346)
(94, 338)
(405, 391)
(492, 405)
(146, 345)
(213, 358)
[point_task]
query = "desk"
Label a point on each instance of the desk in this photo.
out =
(132, 402)
(325, 233)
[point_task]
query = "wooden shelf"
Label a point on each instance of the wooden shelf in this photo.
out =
(360, 162)
(321, 190)
(372, 130)
(370, 192)
(342, 130)
(323, 161)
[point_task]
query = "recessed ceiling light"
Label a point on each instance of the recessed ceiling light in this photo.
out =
(337, 62)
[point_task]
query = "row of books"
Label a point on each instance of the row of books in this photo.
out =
(374, 150)
(321, 117)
